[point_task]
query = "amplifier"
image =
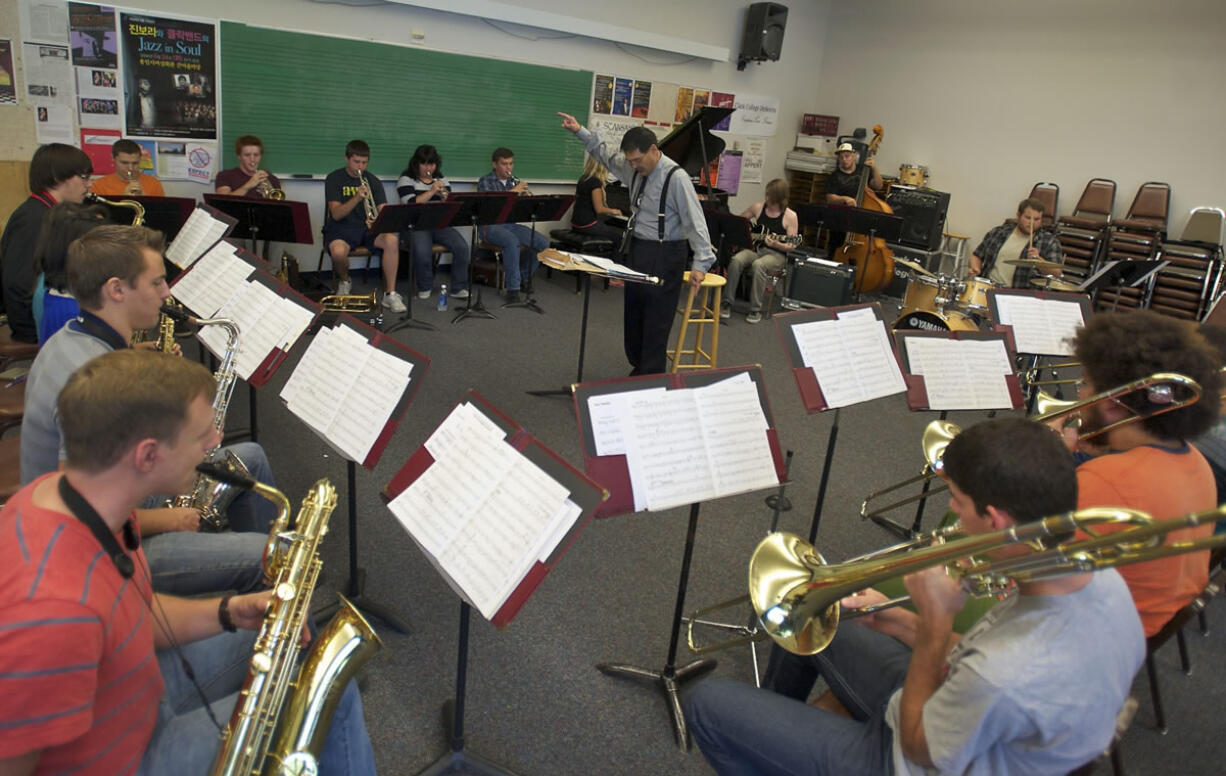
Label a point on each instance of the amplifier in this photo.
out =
(923, 213)
(814, 282)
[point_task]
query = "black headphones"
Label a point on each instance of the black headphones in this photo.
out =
(82, 510)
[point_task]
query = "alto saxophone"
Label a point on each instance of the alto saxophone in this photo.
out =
(283, 712)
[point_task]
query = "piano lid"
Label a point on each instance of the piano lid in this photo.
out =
(683, 144)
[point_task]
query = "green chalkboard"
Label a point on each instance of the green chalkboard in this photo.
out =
(305, 96)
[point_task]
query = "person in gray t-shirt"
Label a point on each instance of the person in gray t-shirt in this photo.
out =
(1033, 687)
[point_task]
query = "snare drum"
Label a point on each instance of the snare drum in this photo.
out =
(923, 320)
(912, 174)
(973, 295)
(930, 293)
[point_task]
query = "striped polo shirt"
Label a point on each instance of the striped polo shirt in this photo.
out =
(78, 673)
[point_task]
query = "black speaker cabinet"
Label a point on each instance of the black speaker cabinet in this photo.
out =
(763, 38)
(815, 282)
(923, 213)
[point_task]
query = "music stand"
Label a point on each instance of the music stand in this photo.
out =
(550, 207)
(409, 218)
(1121, 272)
(478, 208)
(165, 214)
(265, 219)
(726, 227)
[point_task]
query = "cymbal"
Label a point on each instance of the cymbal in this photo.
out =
(913, 266)
(1053, 284)
(1039, 264)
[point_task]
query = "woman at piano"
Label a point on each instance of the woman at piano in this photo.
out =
(590, 206)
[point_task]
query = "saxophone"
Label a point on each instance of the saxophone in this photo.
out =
(209, 496)
(283, 712)
(138, 210)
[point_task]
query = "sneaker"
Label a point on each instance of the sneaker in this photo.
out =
(513, 296)
(393, 302)
(753, 317)
(725, 311)
(423, 294)
(343, 287)
(461, 294)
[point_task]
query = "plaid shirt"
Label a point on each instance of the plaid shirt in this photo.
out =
(1045, 243)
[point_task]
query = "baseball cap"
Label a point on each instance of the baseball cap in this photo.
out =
(846, 147)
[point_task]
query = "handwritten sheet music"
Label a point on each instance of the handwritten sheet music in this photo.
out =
(1044, 327)
(962, 374)
(346, 389)
(851, 357)
(199, 233)
(487, 535)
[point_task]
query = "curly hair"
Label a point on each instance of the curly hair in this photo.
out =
(1117, 348)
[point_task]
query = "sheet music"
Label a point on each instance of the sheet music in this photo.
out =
(851, 358)
(736, 439)
(962, 374)
(216, 277)
(489, 534)
(199, 232)
(608, 265)
(333, 371)
(1040, 326)
(606, 412)
(369, 403)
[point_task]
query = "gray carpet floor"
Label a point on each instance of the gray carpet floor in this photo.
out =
(535, 702)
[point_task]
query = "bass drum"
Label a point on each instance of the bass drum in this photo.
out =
(923, 320)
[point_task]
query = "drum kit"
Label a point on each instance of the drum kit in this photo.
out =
(935, 302)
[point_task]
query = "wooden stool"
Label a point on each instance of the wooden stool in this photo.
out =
(704, 317)
(12, 351)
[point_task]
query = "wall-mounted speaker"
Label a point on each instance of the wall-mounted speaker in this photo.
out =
(763, 37)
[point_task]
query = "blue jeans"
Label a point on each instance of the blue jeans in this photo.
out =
(423, 257)
(744, 730)
(184, 739)
(510, 238)
(249, 512)
(188, 564)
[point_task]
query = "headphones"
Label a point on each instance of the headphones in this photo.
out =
(82, 510)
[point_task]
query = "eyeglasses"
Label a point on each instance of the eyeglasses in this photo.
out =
(85, 176)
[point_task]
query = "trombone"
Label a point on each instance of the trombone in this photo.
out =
(350, 303)
(1160, 388)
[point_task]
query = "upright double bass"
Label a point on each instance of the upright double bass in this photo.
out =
(873, 260)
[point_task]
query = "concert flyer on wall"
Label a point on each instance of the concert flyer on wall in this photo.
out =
(602, 94)
(91, 36)
(642, 99)
(8, 75)
(621, 96)
(169, 77)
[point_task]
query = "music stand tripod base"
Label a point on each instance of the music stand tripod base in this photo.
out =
(668, 684)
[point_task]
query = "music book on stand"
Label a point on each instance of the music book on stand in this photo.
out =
(1040, 323)
(496, 538)
(206, 227)
(230, 282)
(840, 356)
(594, 265)
(958, 370)
(352, 387)
(660, 441)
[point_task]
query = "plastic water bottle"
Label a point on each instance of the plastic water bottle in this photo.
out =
(442, 299)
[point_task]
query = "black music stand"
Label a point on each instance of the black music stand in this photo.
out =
(726, 227)
(409, 218)
(165, 214)
(1120, 273)
(478, 208)
(550, 207)
(265, 219)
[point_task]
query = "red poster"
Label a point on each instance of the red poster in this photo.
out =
(96, 143)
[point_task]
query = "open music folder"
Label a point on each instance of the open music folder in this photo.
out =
(660, 441)
(496, 538)
(1042, 323)
(352, 386)
(206, 227)
(230, 282)
(594, 265)
(840, 355)
(958, 370)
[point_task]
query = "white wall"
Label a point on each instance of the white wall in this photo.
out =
(995, 95)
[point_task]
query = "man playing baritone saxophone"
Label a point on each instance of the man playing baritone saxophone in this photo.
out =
(353, 199)
(1033, 687)
(118, 277)
(91, 658)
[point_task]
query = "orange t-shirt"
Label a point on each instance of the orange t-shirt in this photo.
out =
(1165, 483)
(112, 186)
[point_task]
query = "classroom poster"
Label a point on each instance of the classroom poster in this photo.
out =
(91, 35)
(663, 104)
(48, 75)
(729, 178)
(642, 99)
(621, 96)
(755, 115)
(753, 160)
(702, 98)
(96, 143)
(602, 95)
(169, 77)
(685, 104)
(723, 100)
(53, 124)
(8, 75)
(44, 21)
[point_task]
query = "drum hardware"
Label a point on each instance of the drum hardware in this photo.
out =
(1039, 265)
(913, 266)
(1049, 283)
(973, 295)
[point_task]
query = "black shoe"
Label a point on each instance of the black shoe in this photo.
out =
(513, 296)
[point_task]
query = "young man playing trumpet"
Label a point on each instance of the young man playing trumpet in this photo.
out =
(1033, 687)
(247, 180)
(84, 690)
(127, 180)
(353, 200)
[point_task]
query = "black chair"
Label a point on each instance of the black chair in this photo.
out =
(1175, 628)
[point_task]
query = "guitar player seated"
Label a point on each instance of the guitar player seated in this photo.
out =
(774, 222)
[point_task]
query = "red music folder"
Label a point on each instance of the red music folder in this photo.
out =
(612, 471)
(917, 390)
(387, 345)
(811, 395)
(580, 491)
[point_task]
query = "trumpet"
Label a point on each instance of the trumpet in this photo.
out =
(350, 303)
(368, 200)
(1160, 388)
(138, 210)
(269, 191)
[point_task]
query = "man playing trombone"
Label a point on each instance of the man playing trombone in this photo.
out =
(1033, 687)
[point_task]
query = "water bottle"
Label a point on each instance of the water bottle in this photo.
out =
(442, 299)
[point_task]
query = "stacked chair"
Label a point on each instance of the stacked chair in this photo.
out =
(1082, 234)
(1136, 236)
(1187, 287)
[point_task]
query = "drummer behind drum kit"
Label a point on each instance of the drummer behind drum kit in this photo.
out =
(944, 303)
